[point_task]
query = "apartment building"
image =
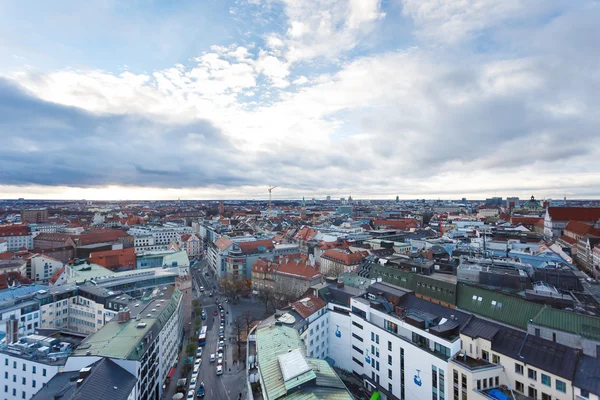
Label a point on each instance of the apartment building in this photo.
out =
(143, 341)
(161, 234)
(43, 267)
(16, 237)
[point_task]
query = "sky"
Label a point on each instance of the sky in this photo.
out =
(216, 99)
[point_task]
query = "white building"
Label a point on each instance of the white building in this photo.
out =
(27, 365)
(143, 341)
(160, 234)
(16, 239)
(3, 246)
(43, 267)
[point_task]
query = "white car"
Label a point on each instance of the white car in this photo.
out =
(192, 383)
(219, 370)
(202, 288)
(198, 361)
(220, 357)
(212, 358)
(196, 368)
(191, 395)
(199, 352)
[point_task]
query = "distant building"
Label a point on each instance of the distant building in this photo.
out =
(335, 262)
(115, 260)
(35, 215)
(192, 245)
(3, 246)
(557, 218)
(16, 237)
(161, 234)
(328, 198)
(493, 201)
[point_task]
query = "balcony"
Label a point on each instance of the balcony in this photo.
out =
(471, 363)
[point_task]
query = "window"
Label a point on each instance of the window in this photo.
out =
(34, 369)
(24, 367)
(519, 369)
(359, 326)
(357, 349)
(24, 381)
(390, 387)
(33, 383)
(561, 386)
(532, 392)
(389, 374)
(377, 339)
(497, 380)
(463, 381)
(546, 380)
(377, 365)
(43, 371)
(355, 336)
(6, 388)
(584, 394)
(372, 349)
(519, 387)
(372, 336)
(495, 359)
(485, 355)
(14, 378)
(389, 360)
(356, 361)
(532, 374)
(389, 346)
(546, 396)
(478, 384)
(14, 364)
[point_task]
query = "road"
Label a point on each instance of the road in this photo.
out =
(232, 382)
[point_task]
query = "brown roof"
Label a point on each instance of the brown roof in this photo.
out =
(579, 228)
(222, 243)
(345, 258)
(14, 230)
(57, 274)
(584, 214)
(53, 237)
(114, 259)
(305, 234)
(525, 220)
(402, 224)
(308, 305)
(296, 265)
(568, 239)
(99, 236)
(249, 247)
(263, 265)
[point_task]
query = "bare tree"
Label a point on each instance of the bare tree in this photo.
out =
(247, 319)
(267, 297)
(238, 326)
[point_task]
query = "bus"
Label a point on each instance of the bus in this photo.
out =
(202, 336)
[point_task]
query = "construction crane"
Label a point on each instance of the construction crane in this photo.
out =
(271, 188)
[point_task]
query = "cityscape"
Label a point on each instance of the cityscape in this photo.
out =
(299, 199)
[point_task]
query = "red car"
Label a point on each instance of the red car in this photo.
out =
(215, 313)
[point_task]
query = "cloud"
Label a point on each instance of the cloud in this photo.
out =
(438, 118)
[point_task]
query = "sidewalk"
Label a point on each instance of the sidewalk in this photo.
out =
(171, 389)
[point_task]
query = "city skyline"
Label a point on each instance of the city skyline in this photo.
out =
(372, 98)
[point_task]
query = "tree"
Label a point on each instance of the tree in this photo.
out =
(267, 297)
(190, 349)
(238, 327)
(247, 320)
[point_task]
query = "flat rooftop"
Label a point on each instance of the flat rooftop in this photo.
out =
(120, 340)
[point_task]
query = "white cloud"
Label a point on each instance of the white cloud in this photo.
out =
(302, 80)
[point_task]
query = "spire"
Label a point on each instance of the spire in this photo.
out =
(303, 202)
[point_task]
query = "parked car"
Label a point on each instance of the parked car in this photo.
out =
(199, 352)
(219, 370)
(191, 395)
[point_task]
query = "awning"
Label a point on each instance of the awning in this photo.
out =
(171, 372)
(375, 396)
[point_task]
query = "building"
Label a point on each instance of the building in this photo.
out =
(115, 260)
(288, 276)
(47, 227)
(400, 224)
(192, 245)
(16, 237)
(34, 215)
(233, 258)
(43, 267)
(29, 363)
(53, 240)
(161, 234)
(557, 218)
(585, 247)
(164, 258)
(285, 371)
(102, 379)
(143, 340)
(335, 262)
(18, 266)
(3, 246)
(315, 334)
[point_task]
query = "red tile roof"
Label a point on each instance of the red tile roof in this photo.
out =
(99, 236)
(250, 247)
(403, 224)
(579, 228)
(296, 265)
(345, 258)
(308, 305)
(568, 239)
(525, 220)
(305, 234)
(584, 214)
(57, 274)
(114, 259)
(222, 243)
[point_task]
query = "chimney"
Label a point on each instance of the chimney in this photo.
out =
(124, 316)
(12, 330)
(84, 373)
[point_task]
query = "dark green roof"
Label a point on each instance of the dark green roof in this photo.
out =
(497, 306)
(420, 284)
(517, 312)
